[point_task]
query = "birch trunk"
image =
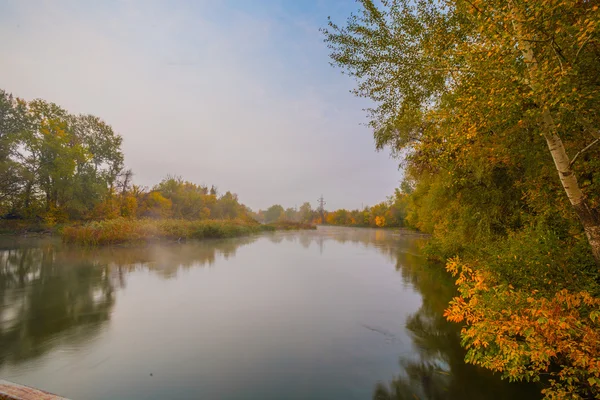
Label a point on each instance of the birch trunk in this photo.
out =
(588, 216)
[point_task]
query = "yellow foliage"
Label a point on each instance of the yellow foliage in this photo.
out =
(107, 209)
(54, 215)
(154, 205)
(129, 207)
(205, 213)
(522, 334)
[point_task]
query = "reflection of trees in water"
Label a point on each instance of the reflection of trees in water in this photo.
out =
(437, 369)
(163, 259)
(389, 242)
(51, 294)
(44, 301)
(305, 241)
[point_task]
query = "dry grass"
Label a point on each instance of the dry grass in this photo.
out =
(123, 230)
(290, 225)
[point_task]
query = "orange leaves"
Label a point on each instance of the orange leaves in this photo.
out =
(523, 334)
(456, 311)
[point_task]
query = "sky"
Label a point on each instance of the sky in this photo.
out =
(239, 94)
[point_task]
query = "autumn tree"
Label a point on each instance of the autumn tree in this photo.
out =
(189, 201)
(229, 207)
(492, 107)
(274, 213)
(52, 155)
(449, 76)
(55, 164)
(291, 214)
(389, 214)
(305, 212)
(12, 120)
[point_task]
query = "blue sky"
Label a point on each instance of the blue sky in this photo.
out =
(235, 93)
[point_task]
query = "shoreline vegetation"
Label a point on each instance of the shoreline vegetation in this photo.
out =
(128, 231)
(66, 174)
(136, 231)
(491, 108)
(123, 231)
(391, 213)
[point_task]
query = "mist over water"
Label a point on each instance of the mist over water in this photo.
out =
(333, 313)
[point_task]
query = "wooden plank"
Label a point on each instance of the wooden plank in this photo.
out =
(14, 391)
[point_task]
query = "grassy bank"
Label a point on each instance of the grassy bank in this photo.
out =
(143, 230)
(24, 227)
(290, 225)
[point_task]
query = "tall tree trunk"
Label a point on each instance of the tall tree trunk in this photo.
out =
(28, 188)
(48, 200)
(587, 215)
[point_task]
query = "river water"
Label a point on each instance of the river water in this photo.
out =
(336, 313)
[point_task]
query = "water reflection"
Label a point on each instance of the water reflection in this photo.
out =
(57, 297)
(436, 369)
(52, 295)
(397, 245)
(163, 259)
(43, 303)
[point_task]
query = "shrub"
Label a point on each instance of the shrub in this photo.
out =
(525, 334)
(123, 230)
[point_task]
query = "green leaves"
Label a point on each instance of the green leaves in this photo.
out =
(66, 164)
(467, 94)
(387, 51)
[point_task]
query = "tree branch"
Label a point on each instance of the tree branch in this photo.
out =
(582, 46)
(582, 151)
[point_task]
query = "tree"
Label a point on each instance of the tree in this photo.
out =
(274, 213)
(12, 122)
(102, 144)
(96, 175)
(290, 214)
(52, 155)
(396, 214)
(305, 213)
(229, 207)
(484, 101)
(54, 165)
(154, 205)
(447, 77)
(557, 77)
(189, 201)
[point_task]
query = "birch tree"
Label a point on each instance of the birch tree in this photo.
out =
(446, 77)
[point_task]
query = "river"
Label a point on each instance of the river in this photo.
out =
(336, 313)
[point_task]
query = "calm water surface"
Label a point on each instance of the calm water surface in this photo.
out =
(336, 313)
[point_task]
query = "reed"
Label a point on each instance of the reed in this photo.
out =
(122, 230)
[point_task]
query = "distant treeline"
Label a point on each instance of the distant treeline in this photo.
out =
(57, 167)
(389, 213)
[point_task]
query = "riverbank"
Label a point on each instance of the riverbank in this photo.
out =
(394, 229)
(26, 228)
(118, 231)
(121, 230)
